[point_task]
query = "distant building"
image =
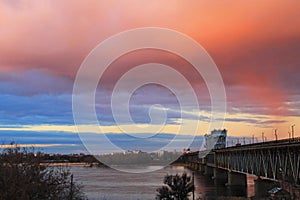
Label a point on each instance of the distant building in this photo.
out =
(133, 152)
(216, 139)
(161, 153)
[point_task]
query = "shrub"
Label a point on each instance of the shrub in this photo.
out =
(176, 187)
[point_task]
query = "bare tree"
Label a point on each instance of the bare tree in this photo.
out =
(24, 177)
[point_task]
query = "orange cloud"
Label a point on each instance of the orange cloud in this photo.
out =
(246, 39)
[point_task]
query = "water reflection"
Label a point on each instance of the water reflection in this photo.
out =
(110, 184)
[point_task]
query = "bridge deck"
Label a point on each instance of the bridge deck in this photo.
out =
(278, 160)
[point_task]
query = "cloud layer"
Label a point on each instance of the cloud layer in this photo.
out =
(256, 46)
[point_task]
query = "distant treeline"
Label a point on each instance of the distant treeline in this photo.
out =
(115, 158)
(71, 158)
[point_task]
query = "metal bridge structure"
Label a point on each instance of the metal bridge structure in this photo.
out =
(274, 161)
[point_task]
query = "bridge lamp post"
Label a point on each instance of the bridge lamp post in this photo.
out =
(193, 174)
(293, 130)
(276, 136)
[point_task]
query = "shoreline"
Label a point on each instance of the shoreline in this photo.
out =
(85, 164)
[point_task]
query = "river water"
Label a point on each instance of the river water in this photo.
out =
(110, 184)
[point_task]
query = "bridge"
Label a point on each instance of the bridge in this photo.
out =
(275, 163)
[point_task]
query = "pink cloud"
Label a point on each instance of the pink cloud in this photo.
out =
(253, 43)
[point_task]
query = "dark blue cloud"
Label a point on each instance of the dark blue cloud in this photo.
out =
(36, 97)
(34, 82)
(37, 109)
(69, 142)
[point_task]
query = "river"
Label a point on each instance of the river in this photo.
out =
(110, 184)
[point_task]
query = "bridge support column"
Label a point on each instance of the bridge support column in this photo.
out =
(208, 171)
(262, 186)
(220, 176)
(294, 190)
(201, 168)
(236, 179)
(196, 166)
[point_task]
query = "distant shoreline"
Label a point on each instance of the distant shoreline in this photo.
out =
(80, 164)
(85, 164)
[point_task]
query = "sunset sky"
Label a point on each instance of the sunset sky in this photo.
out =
(255, 45)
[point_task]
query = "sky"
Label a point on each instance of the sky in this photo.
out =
(255, 45)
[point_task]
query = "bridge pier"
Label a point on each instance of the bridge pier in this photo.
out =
(220, 176)
(262, 186)
(208, 171)
(236, 179)
(201, 168)
(193, 166)
(294, 190)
